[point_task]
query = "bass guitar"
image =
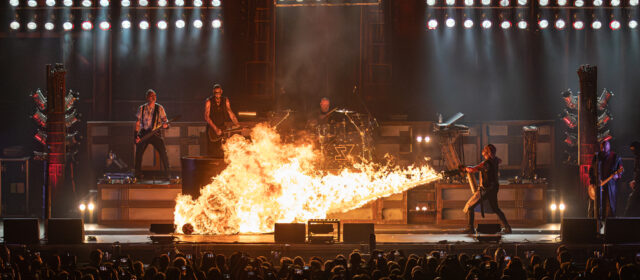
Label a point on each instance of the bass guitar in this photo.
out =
(155, 130)
(213, 137)
(593, 188)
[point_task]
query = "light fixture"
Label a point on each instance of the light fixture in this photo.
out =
(125, 24)
(543, 3)
(180, 23)
(143, 3)
(633, 2)
(596, 24)
(104, 3)
(578, 3)
(105, 25)
(32, 3)
(432, 24)
(468, 23)
(216, 23)
(216, 3)
(504, 3)
(162, 3)
(560, 24)
(179, 3)
(427, 139)
(561, 207)
(562, 2)
(522, 2)
(450, 2)
(125, 3)
(87, 25)
(543, 23)
(50, 3)
(144, 25)
(578, 25)
(82, 207)
(486, 24)
(14, 3)
(49, 26)
(32, 25)
(522, 24)
(615, 25)
(197, 3)
(419, 138)
(633, 24)
(91, 206)
(67, 3)
(468, 2)
(86, 3)
(597, 3)
(615, 3)
(505, 24)
(553, 207)
(14, 25)
(485, 2)
(197, 23)
(450, 22)
(67, 26)
(162, 24)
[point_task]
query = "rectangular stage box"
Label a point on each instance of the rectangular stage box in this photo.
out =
(136, 204)
(523, 204)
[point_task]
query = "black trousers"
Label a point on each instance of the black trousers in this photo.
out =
(490, 197)
(158, 143)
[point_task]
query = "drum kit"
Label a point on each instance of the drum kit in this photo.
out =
(347, 136)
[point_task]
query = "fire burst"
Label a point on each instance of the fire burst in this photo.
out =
(268, 181)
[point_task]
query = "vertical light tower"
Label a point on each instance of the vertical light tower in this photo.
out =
(587, 125)
(56, 133)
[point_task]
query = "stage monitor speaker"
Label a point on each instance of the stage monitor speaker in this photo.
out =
(488, 228)
(198, 171)
(162, 228)
(622, 230)
(21, 231)
(578, 230)
(357, 233)
(289, 233)
(65, 231)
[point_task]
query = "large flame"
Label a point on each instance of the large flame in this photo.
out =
(268, 181)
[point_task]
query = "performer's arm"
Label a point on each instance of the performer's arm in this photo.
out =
(618, 167)
(207, 108)
(232, 116)
(473, 169)
(163, 117)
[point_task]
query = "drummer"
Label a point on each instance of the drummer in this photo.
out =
(324, 116)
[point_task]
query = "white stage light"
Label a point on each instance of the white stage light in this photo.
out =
(14, 3)
(615, 3)
(180, 23)
(522, 2)
(504, 3)
(216, 23)
(450, 2)
(468, 23)
(125, 24)
(560, 24)
(486, 24)
(450, 22)
(522, 24)
(615, 25)
(125, 3)
(578, 25)
(468, 2)
(597, 3)
(427, 139)
(197, 23)
(50, 3)
(144, 25)
(32, 25)
(87, 25)
(633, 24)
(419, 139)
(32, 3)
(485, 2)
(67, 3)
(432, 24)
(633, 2)
(49, 26)
(162, 3)
(562, 2)
(216, 3)
(543, 24)
(505, 24)
(104, 3)
(179, 3)
(162, 24)
(561, 206)
(86, 3)
(82, 207)
(553, 207)
(543, 3)
(596, 24)
(91, 206)
(579, 3)
(143, 3)
(67, 26)
(197, 3)
(14, 25)
(105, 25)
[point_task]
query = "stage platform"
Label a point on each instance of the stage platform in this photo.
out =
(419, 239)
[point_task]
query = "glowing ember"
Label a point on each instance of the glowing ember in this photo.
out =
(267, 181)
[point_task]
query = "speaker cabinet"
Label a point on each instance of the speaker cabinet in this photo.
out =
(162, 228)
(622, 230)
(488, 228)
(578, 230)
(357, 233)
(289, 233)
(65, 231)
(21, 231)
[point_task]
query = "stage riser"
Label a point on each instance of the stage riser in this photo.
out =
(136, 204)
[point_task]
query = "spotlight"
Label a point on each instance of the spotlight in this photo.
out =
(560, 24)
(553, 207)
(633, 24)
(86, 3)
(522, 2)
(179, 3)
(216, 3)
(424, 208)
(144, 25)
(32, 3)
(504, 3)
(126, 24)
(104, 3)
(597, 3)
(432, 24)
(427, 139)
(32, 25)
(67, 26)
(419, 139)
(450, 2)
(468, 23)
(91, 206)
(216, 23)
(14, 3)
(486, 24)
(633, 2)
(615, 25)
(67, 3)
(522, 24)
(87, 25)
(105, 25)
(485, 2)
(543, 2)
(562, 2)
(450, 22)
(50, 3)
(49, 26)
(125, 3)
(162, 3)
(468, 2)
(615, 3)
(579, 3)
(417, 208)
(561, 207)
(82, 207)
(505, 24)
(197, 3)
(180, 23)
(14, 25)
(162, 24)
(543, 24)
(197, 23)
(596, 24)
(578, 25)
(143, 3)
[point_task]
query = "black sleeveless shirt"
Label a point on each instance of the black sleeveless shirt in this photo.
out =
(217, 113)
(489, 174)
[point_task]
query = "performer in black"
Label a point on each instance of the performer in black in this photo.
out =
(605, 163)
(216, 108)
(633, 202)
(150, 116)
(488, 191)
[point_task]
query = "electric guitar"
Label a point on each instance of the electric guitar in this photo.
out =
(213, 137)
(593, 189)
(155, 130)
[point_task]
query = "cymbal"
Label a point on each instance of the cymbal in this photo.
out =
(344, 111)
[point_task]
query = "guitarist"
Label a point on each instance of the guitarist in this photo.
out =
(605, 163)
(150, 116)
(216, 109)
(488, 191)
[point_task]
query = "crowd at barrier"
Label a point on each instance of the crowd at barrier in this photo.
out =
(378, 265)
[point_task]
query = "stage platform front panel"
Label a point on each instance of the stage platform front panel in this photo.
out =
(523, 204)
(140, 204)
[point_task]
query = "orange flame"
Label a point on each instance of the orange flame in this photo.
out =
(268, 181)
